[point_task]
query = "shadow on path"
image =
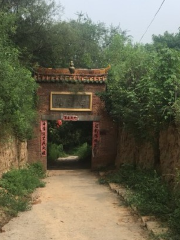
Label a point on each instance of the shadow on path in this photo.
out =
(70, 163)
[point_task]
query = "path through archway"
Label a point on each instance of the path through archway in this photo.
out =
(69, 145)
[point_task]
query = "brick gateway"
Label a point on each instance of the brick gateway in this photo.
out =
(70, 95)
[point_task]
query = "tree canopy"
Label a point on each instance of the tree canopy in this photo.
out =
(170, 40)
(45, 40)
(143, 89)
(143, 85)
(17, 87)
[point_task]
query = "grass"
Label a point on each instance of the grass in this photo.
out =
(11, 204)
(150, 195)
(83, 151)
(17, 185)
(54, 152)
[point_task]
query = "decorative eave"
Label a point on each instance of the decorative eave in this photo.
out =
(61, 75)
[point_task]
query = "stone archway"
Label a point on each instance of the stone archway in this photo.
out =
(72, 96)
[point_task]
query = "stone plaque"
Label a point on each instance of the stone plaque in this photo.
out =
(68, 101)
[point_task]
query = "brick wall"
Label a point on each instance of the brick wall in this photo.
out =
(108, 131)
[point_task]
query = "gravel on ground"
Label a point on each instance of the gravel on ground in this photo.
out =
(74, 206)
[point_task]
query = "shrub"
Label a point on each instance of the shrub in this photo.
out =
(20, 182)
(12, 205)
(16, 186)
(55, 151)
(83, 151)
(150, 194)
(37, 169)
(174, 218)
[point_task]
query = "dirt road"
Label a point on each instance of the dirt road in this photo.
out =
(73, 206)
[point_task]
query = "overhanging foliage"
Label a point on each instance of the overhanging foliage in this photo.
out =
(143, 86)
(17, 87)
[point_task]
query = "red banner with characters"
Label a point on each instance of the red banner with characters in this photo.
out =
(96, 137)
(43, 138)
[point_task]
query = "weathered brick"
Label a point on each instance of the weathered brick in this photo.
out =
(108, 130)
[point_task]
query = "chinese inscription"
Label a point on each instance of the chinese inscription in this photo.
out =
(70, 118)
(96, 137)
(71, 101)
(43, 138)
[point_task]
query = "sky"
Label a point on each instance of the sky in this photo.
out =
(134, 16)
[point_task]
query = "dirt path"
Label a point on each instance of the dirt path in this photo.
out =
(73, 206)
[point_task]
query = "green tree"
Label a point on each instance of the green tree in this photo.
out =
(17, 87)
(142, 88)
(170, 40)
(70, 134)
(80, 40)
(45, 40)
(34, 32)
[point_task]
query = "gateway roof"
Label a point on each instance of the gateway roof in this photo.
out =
(49, 75)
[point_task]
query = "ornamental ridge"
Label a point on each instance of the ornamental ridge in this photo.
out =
(50, 75)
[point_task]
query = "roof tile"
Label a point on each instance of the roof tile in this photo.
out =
(63, 75)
